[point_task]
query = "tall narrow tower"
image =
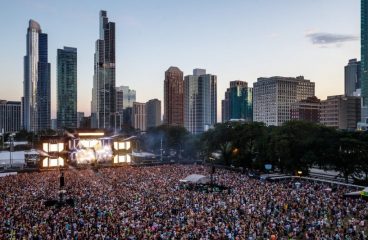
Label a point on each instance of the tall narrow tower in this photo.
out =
(364, 60)
(103, 93)
(36, 85)
(173, 97)
(67, 88)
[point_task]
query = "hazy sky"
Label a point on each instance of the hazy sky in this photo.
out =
(234, 39)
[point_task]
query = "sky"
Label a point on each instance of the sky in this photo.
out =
(235, 40)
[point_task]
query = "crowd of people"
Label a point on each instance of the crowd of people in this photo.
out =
(149, 203)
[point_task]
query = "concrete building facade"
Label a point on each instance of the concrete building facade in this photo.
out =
(153, 113)
(306, 110)
(10, 116)
(139, 116)
(341, 112)
(272, 98)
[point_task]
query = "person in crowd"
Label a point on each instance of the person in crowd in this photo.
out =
(148, 203)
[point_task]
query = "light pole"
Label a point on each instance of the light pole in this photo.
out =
(2, 140)
(161, 150)
(11, 148)
(212, 170)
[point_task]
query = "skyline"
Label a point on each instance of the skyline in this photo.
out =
(239, 49)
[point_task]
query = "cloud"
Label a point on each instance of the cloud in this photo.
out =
(325, 39)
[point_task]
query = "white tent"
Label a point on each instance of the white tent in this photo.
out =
(364, 192)
(196, 179)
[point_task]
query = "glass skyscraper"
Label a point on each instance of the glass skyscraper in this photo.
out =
(36, 88)
(200, 101)
(364, 60)
(67, 88)
(103, 110)
(352, 78)
(238, 102)
(125, 97)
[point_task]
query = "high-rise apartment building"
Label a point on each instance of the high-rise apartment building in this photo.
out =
(10, 116)
(173, 97)
(352, 78)
(306, 110)
(67, 88)
(103, 112)
(200, 101)
(36, 85)
(153, 113)
(238, 102)
(341, 112)
(272, 98)
(139, 116)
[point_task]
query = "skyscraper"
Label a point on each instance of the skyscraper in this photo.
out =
(139, 116)
(364, 61)
(67, 88)
(352, 78)
(153, 113)
(10, 116)
(200, 101)
(238, 102)
(124, 98)
(103, 112)
(36, 86)
(272, 98)
(173, 97)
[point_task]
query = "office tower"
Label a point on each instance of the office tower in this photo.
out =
(36, 85)
(54, 124)
(67, 88)
(200, 101)
(10, 116)
(127, 117)
(272, 98)
(173, 97)
(364, 62)
(103, 112)
(153, 113)
(225, 107)
(85, 122)
(139, 116)
(124, 99)
(352, 78)
(306, 110)
(341, 112)
(238, 102)
(80, 116)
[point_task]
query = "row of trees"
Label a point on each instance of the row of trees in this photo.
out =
(295, 146)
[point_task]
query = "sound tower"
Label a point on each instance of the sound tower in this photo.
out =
(62, 180)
